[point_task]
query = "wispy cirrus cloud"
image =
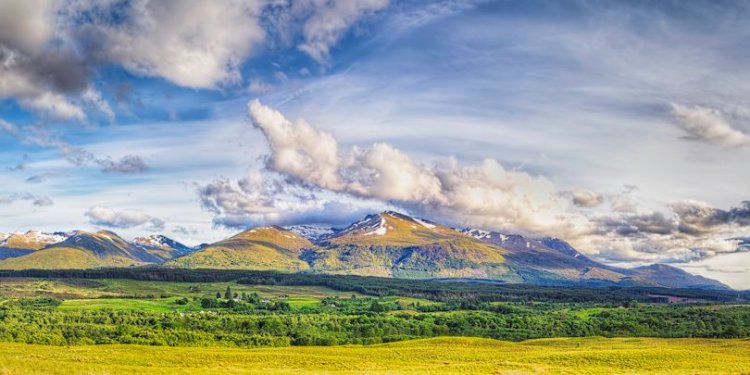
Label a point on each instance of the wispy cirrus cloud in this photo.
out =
(36, 200)
(76, 155)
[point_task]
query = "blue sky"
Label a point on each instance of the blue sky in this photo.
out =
(619, 126)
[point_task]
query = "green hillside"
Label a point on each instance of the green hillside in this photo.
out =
(392, 244)
(265, 248)
(83, 250)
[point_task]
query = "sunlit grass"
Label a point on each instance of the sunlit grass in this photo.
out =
(432, 356)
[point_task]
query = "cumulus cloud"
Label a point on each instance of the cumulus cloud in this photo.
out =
(264, 197)
(198, 44)
(41, 68)
(708, 125)
(36, 200)
(107, 217)
(687, 230)
(49, 48)
(484, 194)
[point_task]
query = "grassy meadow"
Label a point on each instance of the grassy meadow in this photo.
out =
(50, 326)
(430, 356)
(151, 296)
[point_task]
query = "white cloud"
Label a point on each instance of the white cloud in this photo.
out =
(485, 194)
(107, 217)
(263, 198)
(49, 48)
(25, 24)
(686, 230)
(39, 65)
(329, 21)
(196, 44)
(298, 149)
(708, 125)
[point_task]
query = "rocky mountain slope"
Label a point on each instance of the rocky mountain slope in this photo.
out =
(392, 244)
(162, 247)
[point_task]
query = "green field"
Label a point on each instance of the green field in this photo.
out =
(51, 326)
(157, 296)
(431, 356)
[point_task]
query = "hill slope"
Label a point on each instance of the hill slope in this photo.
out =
(265, 248)
(83, 250)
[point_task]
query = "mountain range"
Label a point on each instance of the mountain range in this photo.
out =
(389, 244)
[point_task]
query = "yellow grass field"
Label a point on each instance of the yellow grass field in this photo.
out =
(431, 356)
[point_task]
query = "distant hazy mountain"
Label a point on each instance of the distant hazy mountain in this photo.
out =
(672, 277)
(554, 261)
(162, 247)
(388, 244)
(549, 261)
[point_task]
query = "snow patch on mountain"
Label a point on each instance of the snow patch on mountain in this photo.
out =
(380, 230)
(33, 237)
(479, 234)
(158, 241)
(312, 233)
(424, 223)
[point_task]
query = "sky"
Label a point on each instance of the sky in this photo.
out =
(621, 127)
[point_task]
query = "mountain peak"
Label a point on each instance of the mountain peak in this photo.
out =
(280, 236)
(392, 228)
(267, 230)
(32, 239)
